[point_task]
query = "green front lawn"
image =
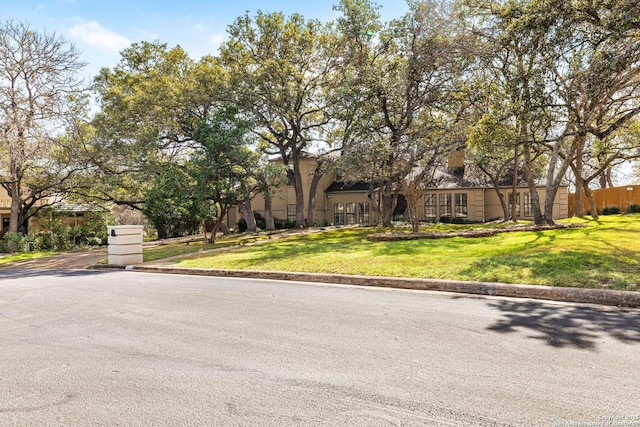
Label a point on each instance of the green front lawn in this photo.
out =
(604, 254)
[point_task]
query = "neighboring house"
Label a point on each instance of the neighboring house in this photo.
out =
(344, 204)
(73, 213)
(5, 207)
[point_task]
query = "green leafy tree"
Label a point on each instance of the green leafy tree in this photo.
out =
(571, 73)
(150, 104)
(222, 162)
(405, 81)
(281, 70)
(172, 205)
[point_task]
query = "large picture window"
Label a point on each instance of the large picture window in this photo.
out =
(338, 213)
(430, 206)
(462, 210)
(445, 204)
(528, 210)
(350, 213)
(363, 210)
(291, 213)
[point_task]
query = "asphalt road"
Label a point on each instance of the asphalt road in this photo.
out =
(81, 348)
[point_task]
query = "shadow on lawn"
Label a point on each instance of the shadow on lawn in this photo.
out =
(565, 268)
(561, 326)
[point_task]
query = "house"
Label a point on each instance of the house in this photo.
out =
(73, 214)
(345, 204)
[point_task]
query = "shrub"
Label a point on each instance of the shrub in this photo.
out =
(15, 242)
(282, 223)
(93, 229)
(452, 220)
(611, 210)
(634, 209)
(50, 241)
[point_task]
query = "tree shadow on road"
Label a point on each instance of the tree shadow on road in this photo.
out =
(566, 325)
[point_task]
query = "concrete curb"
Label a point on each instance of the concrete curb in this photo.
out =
(566, 294)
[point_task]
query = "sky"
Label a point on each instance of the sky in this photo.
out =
(101, 29)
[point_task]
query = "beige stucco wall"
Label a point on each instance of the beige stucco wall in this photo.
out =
(493, 209)
(287, 196)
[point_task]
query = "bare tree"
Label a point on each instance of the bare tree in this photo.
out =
(39, 88)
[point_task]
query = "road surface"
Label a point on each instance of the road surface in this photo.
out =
(82, 348)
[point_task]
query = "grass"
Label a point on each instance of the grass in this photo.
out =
(175, 249)
(24, 256)
(603, 254)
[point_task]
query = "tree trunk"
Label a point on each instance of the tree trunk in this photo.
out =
(313, 190)
(538, 218)
(603, 178)
(578, 206)
(268, 213)
(375, 205)
(554, 179)
(162, 233)
(503, 202)
(15, 199)
(296, 180)
(246, 211)
(413, 201)
(386, 201)
(224, 209)
(514, 185)
(592, 200)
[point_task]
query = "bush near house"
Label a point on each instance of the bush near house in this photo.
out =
(56, 236)
(14, 242)
(611, 210)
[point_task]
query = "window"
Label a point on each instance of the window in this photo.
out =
(291, 213)
(363, 209)
(445, 204)
(351, 213)
(517, 204)
(338, 213)
(430, 206)
(461, 207)
(528, 210)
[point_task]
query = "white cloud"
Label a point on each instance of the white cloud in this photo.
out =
(199, 27)
(217, 39)
(94, 34)
(147, 35)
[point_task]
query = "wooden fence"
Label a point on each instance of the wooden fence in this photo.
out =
(621, 197)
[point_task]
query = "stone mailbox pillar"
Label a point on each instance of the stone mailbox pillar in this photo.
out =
(125, 244)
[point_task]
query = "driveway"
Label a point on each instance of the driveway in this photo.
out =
(69, 260)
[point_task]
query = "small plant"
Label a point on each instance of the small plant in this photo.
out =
(611, 210)
(15, 242)
(634, 209)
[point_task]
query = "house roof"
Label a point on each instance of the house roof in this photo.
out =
(337, 187)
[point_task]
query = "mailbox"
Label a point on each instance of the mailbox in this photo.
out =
(125, 244)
